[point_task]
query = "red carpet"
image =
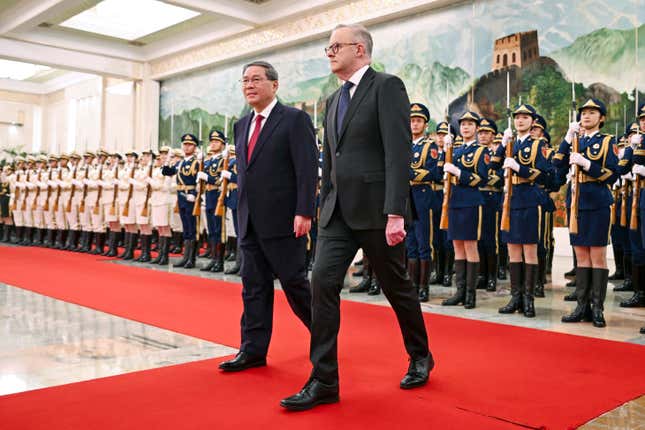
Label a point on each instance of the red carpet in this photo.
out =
(488, 376)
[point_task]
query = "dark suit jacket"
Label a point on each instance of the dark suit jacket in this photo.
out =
(279, 182)
(365, 168)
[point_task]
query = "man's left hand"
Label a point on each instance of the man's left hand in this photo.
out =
(301, 225)
(394, 230)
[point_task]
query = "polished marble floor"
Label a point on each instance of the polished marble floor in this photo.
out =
(46, 342)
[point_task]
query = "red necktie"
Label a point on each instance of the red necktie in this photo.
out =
(254, 137)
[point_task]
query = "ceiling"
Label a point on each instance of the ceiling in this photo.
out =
(31, 31)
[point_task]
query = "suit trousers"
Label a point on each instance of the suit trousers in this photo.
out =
(337, 245)
(261, 259)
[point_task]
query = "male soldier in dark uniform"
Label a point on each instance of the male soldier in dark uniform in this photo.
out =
(186, 171)
(212, 180)
(492, 193)
(230, 173)
(619, 235)
(636, 141)
(424, 172)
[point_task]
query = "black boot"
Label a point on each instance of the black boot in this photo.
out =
(219, 258)
(439, 263)
(619, 273)
(58, 240)
(89, 240)
(6, 234)
(164, 250)
(37, 237)
(212, 254)
(191, 263)
(598, 294)
(207, 252)
(126, 240)
(413, 271)
(235, 269)
(572, 272)
(111, 250)
(18, 237)
(161, 243)
(424, 278)
(49, 238)
(472, 271)
(491, 262)
(638, 299)
(365, 284)
(145, 249)
(482, 281)
(189, 255)
(460, 280)
(541, 275)
(28, 239)
(232, 254)
(81, 242)
(375, 289)
(99, 239)
(515, 303)
(503, 262)
(71, 238)
(549, 261)
(449, 268)
(129, 245)
(582, 312)
(627, 285)
(530, 279)
(176, 245)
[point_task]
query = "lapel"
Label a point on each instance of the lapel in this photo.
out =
(331, 115)
(269, 126)
(245, 125)
(363, 86)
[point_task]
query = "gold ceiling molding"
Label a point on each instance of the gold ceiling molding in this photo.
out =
(286, 33)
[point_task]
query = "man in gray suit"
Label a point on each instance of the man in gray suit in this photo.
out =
(365, 200)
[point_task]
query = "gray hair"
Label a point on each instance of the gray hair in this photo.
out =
(361, 35)
(271, 72)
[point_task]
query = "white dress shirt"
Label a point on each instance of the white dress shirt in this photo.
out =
(356, 79)
(265, 114)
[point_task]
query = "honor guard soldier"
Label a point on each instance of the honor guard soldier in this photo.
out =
(141, 189)
(424, 171)
(529, 168)
(596, 172)
(444, 257)
(39, 180)
(231, 203)
(94, 193)
(47, 199)
(186, 171)
(619, 228)
(127, 207)
(110, 202)
(28, 200)
(85, 209)
(71, 189)
(58, 205)
(467, 173)
(161, 201)
(176, 246)
(211, 179)
(491, 209)
(5, 200)
(637, 145)
(502, 249)
(18, 191)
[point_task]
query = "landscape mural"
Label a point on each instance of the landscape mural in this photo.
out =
(455, 59)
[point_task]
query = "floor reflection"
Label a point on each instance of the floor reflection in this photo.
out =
(46, 342)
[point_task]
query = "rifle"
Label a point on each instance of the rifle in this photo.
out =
(115, 193)
(58, 189)
(34, 205)
(636, 191)
(24, 202)
(197, 207)
(68, 209)
(508, 180)
(14, 205)
(220, 210)
(447, 185)
(49, 190)
(126, 208)
(97, 209)
(144, 211)
(81, 208)
(624, 190)
(575, 194)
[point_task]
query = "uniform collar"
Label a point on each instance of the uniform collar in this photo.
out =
(419, 140)
(523, 138)
(467, 144)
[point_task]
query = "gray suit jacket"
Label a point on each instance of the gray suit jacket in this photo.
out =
(365, 167)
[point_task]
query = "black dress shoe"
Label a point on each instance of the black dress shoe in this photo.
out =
(314, 393)
(243, 361)
(363, 287)
(418, 372)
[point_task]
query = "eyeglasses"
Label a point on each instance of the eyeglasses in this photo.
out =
(253, 81)
(334, 48)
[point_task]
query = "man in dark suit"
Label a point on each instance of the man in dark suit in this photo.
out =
(277, 171)
(365, 198)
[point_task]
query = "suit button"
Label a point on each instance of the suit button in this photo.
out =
(338, 154)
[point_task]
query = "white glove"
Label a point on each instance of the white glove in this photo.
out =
(628, 176)
(508, 135)
(510, 163)
(569, 175)
(60, 183)
(447, 141)
(132, 182)
(77, 183)
(621, 152)
(635, 140)
(201, 176)
(149, 180)
(115, 182)
(319, 172)
(580, 160)
(224, 151)
(20, 186)
(574, 128)
(41, 184)
(226, 174)
(190, 197)
(638, 169)
(452, 169)
(30, 185)
(51, 183)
